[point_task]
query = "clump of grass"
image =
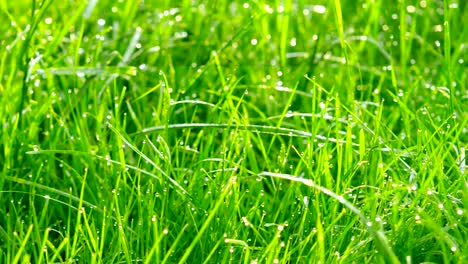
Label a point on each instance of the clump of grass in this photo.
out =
(164, 132)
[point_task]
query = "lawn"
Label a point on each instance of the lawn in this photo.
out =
(186, 131)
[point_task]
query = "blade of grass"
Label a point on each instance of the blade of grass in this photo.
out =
(379, 237)
(23, 245)
(206, 222)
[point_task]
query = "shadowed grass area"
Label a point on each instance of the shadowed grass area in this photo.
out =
(233, 132)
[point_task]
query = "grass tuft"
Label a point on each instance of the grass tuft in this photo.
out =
(178, 131)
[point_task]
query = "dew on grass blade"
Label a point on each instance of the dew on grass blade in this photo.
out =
(417, 218)
(268, 9)
(293, 42)
(245, 221)
(101, 22)
(319, 9)
(48, 20)
(462, 161)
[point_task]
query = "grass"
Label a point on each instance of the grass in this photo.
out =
(233, 132)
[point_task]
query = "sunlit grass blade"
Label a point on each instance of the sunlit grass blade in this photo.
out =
(19, 253)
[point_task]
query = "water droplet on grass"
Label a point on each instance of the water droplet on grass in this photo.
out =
(293, 42)
(268, 9)
(319, 9)
(411, 9)
(101, 22)
(418, 219)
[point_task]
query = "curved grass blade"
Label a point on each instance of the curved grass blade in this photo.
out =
(378, 236)
(150, 161)
(262, 129)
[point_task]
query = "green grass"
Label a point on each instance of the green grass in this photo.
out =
(233, 132)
